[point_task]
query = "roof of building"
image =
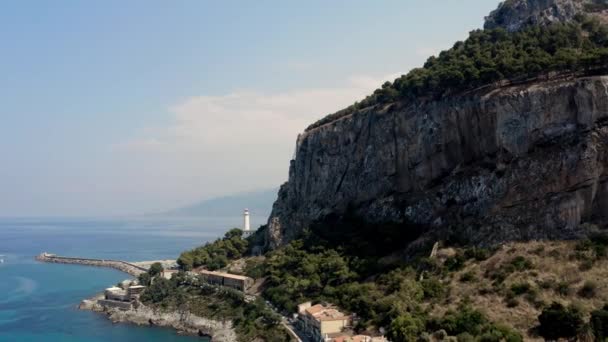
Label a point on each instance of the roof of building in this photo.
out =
(222, 274)
(137, 287)
(325, 313)
(356, 338)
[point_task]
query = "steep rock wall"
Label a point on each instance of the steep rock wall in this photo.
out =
(522, 162)
(513, 15)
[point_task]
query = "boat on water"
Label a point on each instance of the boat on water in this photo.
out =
(2, 259)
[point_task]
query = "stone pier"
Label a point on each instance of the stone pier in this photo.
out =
(120, 265)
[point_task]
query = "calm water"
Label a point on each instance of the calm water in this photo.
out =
(38, 302)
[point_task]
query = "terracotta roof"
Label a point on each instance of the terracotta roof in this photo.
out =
(222, 274)
(323, 313)
(315, 309)
(346, 338)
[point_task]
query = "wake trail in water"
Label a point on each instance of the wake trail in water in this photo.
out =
(25, 287)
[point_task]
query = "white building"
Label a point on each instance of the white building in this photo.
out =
(246, 224)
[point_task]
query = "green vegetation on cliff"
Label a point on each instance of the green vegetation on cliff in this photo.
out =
(184, 292)
(217, 254)
(525, 290)
(488, 56)
(395, 298)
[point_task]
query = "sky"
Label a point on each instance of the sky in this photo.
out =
(116, 107)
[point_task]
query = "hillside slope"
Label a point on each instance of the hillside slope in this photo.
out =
(514, 160)
(519, 280)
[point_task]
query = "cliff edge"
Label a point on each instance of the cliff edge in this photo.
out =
(514, 160)
(521, 162)
(514, 15)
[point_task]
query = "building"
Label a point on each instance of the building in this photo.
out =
(118, 294)
(168, 274)
(246, 224)
(234, 281)
(320, 321)
(134, 291)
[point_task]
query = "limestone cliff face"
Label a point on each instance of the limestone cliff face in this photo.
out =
(518, 162)
(514, 15)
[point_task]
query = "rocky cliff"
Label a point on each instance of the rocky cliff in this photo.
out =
(522, 160)
(516, 162)
(516, 14)
(183, 321)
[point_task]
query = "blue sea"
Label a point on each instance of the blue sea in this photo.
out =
(38, 302)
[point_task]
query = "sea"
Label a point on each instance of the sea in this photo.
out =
(39, 301)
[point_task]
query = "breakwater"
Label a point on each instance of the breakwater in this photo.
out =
(120, 265)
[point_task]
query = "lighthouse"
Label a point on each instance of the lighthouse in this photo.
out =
(246, 226)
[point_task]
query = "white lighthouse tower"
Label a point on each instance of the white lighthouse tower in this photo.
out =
(246, 225)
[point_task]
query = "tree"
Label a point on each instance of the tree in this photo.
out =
(234, 232)
(144, 279)
(160, 289)
(155, 269)
(405, 328)
(558, 321)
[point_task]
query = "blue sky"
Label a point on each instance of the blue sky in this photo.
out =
(125, 107)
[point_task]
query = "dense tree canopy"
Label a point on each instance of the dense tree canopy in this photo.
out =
(215, 255)
(488, 56)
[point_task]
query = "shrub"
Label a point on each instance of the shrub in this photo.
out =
(512, 302)
(539, 250)
(405, 328)
(547, 284)
(557, 321)
(455, 263)
(521, 288)
(465, 337)
(144, 279)
(520, 263)
(479, 254)
(432, 288)
(499, 333)
(599, 323)
(563, 288)
(468, 277)
(588, 290)
(586, 265)
(465, 320)
(255, 269)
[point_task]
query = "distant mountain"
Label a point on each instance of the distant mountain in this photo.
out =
(258, 202)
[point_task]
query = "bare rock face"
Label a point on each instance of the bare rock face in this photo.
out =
(515, 163)
(182, 321)
(516, 14)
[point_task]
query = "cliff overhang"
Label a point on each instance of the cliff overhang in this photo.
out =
(510, 163)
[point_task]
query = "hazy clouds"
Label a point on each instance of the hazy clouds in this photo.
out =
(241, 141)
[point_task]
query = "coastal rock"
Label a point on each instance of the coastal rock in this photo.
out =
(183, 321)
(91, 304)
(519, 162)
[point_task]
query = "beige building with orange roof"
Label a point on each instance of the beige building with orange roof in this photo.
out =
(320, 321)
(234, 281)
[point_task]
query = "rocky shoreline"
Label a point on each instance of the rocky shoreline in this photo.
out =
(184, 322)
